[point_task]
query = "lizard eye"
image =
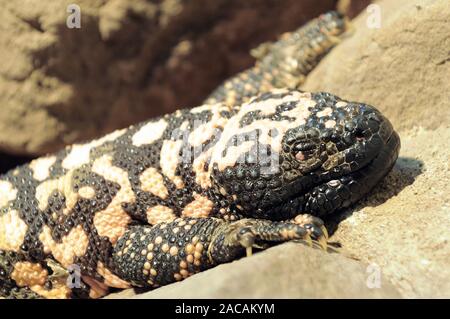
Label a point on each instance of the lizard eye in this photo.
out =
(357, 131)
(304, 150)
(359, 134)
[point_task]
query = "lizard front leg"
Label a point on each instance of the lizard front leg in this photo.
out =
(167, 252)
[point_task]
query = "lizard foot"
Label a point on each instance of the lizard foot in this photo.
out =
(312, 223)
(247, 234)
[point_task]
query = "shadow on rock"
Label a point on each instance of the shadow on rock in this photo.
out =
(403, 174)
(8, 161)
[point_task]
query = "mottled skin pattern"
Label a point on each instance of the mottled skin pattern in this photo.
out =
(285, 63)
(164, 199)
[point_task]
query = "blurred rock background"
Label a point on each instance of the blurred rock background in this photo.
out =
(129, 61)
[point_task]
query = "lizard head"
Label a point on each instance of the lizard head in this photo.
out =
(284, 144)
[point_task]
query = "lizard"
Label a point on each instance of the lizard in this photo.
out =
(164, 199)
(169, 197)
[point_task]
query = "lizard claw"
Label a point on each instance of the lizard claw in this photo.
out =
(308, 240)
(315, 228)
(324, 231)
(318, 234)
(323, 242)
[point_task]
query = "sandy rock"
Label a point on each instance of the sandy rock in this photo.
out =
(129, 61)
(290, 270)
(402, 67)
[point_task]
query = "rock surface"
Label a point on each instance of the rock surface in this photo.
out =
(129, 61)
(290, 270)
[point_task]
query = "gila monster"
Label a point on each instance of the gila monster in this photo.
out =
(164, 199)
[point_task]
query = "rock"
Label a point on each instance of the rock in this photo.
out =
(290, 270)
(129, 61)
(402, 67)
